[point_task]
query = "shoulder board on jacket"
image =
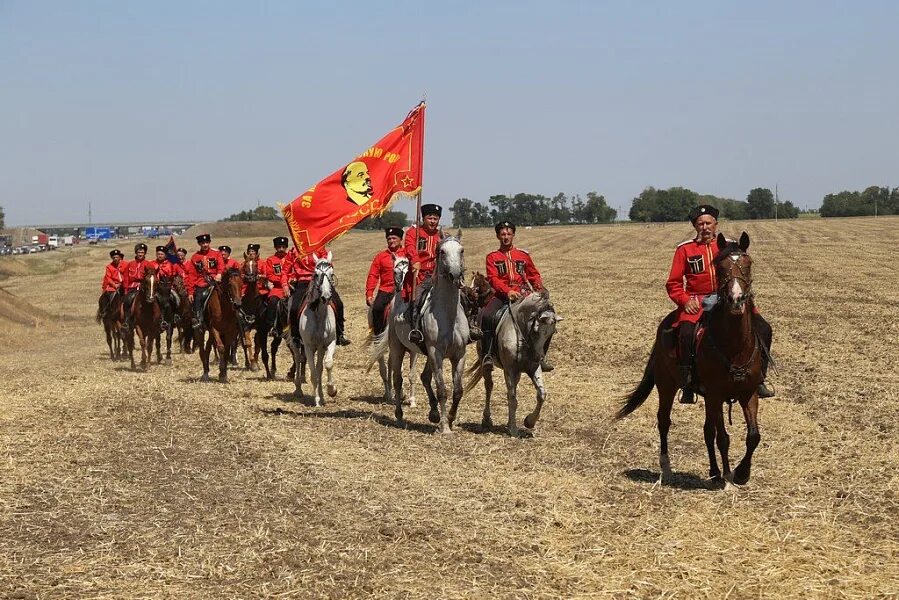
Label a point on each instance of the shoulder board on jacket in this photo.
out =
(523, 250)
(685, 242)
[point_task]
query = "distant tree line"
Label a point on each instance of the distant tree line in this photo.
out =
(874, 200)
(533, 209)
(673, 204)
(260, 213)
(389, 218)
(2, 219)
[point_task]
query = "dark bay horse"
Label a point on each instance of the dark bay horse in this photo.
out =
(147, 319)
(728, 365)
(168, 304)
(111, 317)
(252, 307)
(220, 319)
(183, 316)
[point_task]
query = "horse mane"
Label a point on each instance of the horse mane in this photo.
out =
(731, 248)
(531, 305)
(178, 284)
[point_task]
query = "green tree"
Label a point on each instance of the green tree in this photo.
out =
(876, 200)
(843, 204)
(389, 218)
(260, 213)
(596, 210)
(464, 213)
(658, 206)
(761, 203)
(560, 212)
(786, 210)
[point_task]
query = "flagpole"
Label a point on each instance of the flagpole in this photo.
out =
(421, 145)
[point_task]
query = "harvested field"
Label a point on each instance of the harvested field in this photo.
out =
(121, 484)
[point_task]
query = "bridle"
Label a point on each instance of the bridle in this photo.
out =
(400, 269)
(253, 272)
(746, 280)
(323, 270)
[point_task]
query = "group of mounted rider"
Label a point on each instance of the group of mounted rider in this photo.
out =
(279, 284)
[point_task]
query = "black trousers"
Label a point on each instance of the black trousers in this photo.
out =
(296, 299)
(378, 320)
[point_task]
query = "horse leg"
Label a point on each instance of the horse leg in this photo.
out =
(753, 437)
(158, 340)
(486, 420)
(537, 379)
(224, 354)
(410, 397)
(109, 341)
(316, 368)
(458, 366)
(667, 389)
(144, 359)
(512, 380)
(329, 367)
(168, 344)
(275, 343)
(297, 383)
(710, 431)
(205, 347)
(436, 361)
(395, 370)
(426, 378)
(385, 378)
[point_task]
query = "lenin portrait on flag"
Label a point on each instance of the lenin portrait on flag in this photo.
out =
(357, 183)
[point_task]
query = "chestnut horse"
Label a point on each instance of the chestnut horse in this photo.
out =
(728, 365)
(147, 319)
(220, 319)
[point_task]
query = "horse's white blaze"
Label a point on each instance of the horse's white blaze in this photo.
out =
(736, 292)
(452, 258)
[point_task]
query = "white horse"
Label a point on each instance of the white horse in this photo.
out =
(318, 332)
(400, 269)
(521, 336)
(445, 330)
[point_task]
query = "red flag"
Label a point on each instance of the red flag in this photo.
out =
(363, 187)
(171, 251)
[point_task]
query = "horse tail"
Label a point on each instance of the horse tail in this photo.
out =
(475, 374)
(99, 316)
(638, 396)
(378, 347)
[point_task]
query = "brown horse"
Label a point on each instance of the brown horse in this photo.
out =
(147, 318)
(252, 305)
(728, 365)
(111, 316)
(220, 319)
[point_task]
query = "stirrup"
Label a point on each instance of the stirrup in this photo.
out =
(475, 334)
(416, 337)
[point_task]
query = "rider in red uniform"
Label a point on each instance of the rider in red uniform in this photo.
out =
(421, 248)
(379, 285)
(133, 273)
(113, 282)
(164, 267)
(691, 279)
(512, 275)
(203, 270)
(230, 263)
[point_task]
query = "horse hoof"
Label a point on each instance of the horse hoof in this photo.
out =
(332, 390)
(434, 416)
(223, 380)
(530, 421)
(741, 475)
(486, 424)
(205, 378)
(445, 430)
(398, 414)
(513, 432)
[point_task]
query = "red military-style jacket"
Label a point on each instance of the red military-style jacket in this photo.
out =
(380, 274)
(199, 266)
(167, 269)
(113, 277)
(294, 269)
(230, 264)
(134, 273)
(512, 270)
(421, 247)
(692, 276)
(272, 269)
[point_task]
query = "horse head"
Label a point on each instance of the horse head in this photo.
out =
(149, 283)
(249, 271)
(451, 258)
(733, 266)
(231, 282)
(323, 281)
(400, 268)
(536, 319)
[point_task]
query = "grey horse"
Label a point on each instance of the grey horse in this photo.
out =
(521, 337)
(445, 330)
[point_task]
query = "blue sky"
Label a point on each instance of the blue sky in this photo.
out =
(197, 110)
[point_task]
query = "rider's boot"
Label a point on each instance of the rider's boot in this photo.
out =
(415, 336)
(341, 339)
(487, 335)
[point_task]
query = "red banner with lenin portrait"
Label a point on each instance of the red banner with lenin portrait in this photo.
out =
(362, 188)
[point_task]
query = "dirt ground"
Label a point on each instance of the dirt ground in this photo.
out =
(121, 484)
